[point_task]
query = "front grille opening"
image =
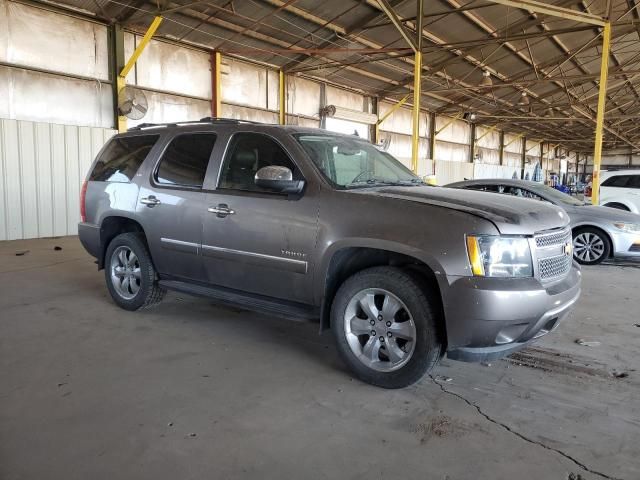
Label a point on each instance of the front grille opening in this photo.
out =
(553, 267)
(551, 239)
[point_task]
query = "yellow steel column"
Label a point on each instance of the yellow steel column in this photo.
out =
(602, 99)
(282, 98)
(120, 81)
(216, 93)
(417, 80)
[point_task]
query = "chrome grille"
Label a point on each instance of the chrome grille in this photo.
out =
(553, 267)
(554, 238)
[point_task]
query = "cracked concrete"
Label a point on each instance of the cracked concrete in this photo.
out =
(191, 390)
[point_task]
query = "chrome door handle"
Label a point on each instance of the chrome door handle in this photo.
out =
(150, 201)
(221, 210)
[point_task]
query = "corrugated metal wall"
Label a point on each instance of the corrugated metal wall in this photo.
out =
(42, 167)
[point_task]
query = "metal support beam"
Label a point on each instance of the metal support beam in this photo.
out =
(116, 64)
(489, 130)
(602, 99)
(143, 44)
(282, 98)
(453, 119)
(472, 145)
(387, 115)
(388, 10)
(122, 75)
(547, 9)
(216, 93)
(432, 139)
(523, 162)
(502, 145)
(515, 139)
(417, 82)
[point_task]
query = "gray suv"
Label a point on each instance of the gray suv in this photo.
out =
(309, 224)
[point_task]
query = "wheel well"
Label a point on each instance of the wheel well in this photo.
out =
(349, 261)
(593, 227)
(112, 227)
(618, 205)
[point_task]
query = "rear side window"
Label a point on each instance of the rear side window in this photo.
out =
(616, 181)
(185, 160)
(122, 157)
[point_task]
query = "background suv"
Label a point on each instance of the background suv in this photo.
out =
(619, 189)
(304, 223)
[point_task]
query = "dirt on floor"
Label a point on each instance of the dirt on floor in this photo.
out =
(191, 390)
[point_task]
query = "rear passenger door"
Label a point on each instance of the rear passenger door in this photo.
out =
(264, 244)
(171, 205)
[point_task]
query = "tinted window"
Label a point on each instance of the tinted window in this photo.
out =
(634, 181)
(616, 181)
(185, 160)
(122, 157)
(247, 154)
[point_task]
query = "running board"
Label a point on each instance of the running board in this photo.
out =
(246, 301)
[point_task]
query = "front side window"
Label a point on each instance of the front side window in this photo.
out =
(354, 163)
(185, 160)
(122, 157)
(248, 153)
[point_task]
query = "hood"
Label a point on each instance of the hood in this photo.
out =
(607, 213)
(511, 215)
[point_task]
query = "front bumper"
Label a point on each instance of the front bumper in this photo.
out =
(625, 244)
(488, 318)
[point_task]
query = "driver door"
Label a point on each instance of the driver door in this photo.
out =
(256, 240)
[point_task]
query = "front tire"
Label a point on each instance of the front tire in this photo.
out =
(385, 327)
(129, 273)
(590, 246)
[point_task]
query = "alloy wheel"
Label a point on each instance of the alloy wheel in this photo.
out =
(379, 329)
(588, 247)
(125, 272)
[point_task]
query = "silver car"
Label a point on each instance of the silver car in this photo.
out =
(598, 232)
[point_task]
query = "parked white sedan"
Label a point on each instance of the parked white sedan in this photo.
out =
(598, 232)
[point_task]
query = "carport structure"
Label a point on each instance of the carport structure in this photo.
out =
(529, 67)
(489, 88)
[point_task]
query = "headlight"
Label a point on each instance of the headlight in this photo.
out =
(495, 256)
(628, 227)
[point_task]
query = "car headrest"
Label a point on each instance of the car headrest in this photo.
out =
(245, 158)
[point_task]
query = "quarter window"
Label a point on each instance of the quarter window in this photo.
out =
(248, 153)
(634, 181)
(122, 157)
(185, 160)
(616, 181)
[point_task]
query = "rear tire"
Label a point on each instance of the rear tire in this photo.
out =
(591, 246)
(129, 273)
(385, 326)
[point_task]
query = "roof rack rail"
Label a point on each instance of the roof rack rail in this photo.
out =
(213, 120)
(228, 120)
(151, 125)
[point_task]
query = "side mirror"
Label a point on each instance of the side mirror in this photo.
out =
(279, 179)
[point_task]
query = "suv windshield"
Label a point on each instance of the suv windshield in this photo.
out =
(554, 195)
(354, 163)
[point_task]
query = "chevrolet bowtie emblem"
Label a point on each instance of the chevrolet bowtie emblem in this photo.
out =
(567, 249)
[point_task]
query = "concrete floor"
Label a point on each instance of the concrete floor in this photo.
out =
(190, 390)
